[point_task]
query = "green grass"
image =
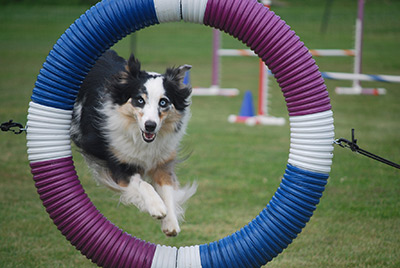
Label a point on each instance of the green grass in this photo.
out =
(238, 168)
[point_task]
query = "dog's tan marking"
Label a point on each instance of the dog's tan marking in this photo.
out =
(163, 114)
(123, 183)
(170, 117)
(123, 77)
(163, 173)
(128, 113)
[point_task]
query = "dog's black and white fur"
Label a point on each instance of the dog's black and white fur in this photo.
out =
(128, 124)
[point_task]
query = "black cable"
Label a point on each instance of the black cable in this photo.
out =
(355, 148)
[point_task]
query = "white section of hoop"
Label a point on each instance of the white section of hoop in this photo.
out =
(48, 149)
(164, 257)
(326, 142)
(35, 138)
(171, 257)
(44, 156)
(33, 129)
(307, 153)
(36, 108)
(44, 142)
(311, 138)
(311, 159)
(310, 167)
(311, 129)
(168, 10)
(193, 10)
(48, 133)
(189, 257)
(311, 117)
(315, 135)
(175, 10)
(42, 124)
(312, 147)
(312, 123)
(46, 118)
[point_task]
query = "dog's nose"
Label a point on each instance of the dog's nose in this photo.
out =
(150, 126)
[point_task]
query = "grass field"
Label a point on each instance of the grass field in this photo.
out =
(238, 168)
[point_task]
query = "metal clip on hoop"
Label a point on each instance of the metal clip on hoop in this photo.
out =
(8, 126)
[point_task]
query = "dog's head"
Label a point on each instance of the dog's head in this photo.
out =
(155, 102)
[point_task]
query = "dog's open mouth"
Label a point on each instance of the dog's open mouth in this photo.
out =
(148, 137)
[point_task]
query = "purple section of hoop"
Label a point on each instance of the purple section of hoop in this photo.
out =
(308, 99)
(80, 222)
(278, 46)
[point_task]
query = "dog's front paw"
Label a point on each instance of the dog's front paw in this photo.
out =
(158, 211)
(156, 207)
(153, 203)
(170, 227)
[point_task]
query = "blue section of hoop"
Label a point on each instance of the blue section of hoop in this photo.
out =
(274, 228)
(83, 42)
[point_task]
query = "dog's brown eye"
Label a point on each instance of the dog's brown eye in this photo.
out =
(164, 103)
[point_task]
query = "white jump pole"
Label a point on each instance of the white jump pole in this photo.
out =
(263, 89)
(357, 89)
(215, 89)
(359, 43)
(361, 77)
(263, 83)
(215, 59)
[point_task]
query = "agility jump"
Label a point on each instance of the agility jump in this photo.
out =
(310, 116)
(356, 76)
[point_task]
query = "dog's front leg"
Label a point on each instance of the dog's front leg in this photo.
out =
(166, 185)
(141, 194)
(170, 224)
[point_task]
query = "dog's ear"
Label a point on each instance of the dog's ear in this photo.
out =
(177, 75)
(177, 91)
(133, 66)
(124, 82)
(182, 71)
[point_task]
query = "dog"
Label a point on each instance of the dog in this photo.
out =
(128, 124)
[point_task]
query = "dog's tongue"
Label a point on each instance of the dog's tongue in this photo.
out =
(149, 136)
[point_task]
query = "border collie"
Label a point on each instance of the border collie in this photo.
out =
(128, 124)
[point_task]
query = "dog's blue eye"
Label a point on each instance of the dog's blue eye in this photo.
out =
(164, 103)
(139, 101)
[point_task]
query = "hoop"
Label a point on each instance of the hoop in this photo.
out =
(50, 113)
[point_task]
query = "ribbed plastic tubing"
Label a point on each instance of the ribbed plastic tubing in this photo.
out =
(311, 138)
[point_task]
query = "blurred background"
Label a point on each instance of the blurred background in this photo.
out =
(238, 167)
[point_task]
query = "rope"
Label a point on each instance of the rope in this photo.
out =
(352, 145)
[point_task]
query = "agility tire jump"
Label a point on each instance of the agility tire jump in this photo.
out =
(49, 120)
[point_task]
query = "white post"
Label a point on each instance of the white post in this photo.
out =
(215, 58)
(263, 89)
(357, 88)
(358, 45)
(215, 89)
